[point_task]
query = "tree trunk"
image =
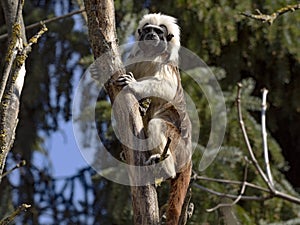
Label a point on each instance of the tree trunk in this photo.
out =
(102, 34)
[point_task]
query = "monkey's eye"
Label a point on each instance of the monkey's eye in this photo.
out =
(146, 29)
(158, 31)
(164, 28)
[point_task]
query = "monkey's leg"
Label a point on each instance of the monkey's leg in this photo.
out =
(157, 142)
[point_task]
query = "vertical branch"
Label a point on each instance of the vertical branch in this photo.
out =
(102, 33)
(264, 134)
(246, 139)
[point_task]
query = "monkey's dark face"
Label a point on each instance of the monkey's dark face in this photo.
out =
(153, 39)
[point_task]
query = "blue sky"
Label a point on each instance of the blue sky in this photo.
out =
(63, 151)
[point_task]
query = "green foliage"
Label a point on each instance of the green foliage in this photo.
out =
(230, 163)
(245, 50)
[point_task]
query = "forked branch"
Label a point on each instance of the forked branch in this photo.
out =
(271, 190)
(270, 18)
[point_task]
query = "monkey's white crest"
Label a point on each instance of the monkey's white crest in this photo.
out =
(161, 19)
(170, 39)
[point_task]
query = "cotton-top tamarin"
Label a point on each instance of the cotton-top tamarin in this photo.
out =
(153, 74)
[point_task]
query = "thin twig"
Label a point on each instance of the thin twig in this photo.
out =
(264, 134)
(270, 18)
(37, 24)
(34, 39)
(231, 196)
(233, 182)
(15, 213)
(20, 164)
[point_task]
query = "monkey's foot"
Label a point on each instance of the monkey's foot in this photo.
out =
(156, 158)
(125, 79)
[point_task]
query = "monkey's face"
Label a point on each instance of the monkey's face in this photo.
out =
(153, 39)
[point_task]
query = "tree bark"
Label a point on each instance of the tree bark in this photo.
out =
(12, 78)
(102, 34)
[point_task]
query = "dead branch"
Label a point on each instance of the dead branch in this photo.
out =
(270, 18)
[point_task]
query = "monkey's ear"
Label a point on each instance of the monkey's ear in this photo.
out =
(169, 37)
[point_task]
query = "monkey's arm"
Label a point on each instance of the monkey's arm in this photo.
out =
(149, 86)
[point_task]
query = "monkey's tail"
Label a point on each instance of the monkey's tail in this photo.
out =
(179, 186)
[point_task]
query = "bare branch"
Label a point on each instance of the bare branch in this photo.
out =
(272, 189)
(231, 196)
(270, 18)
(246, 139)
(20, 164)
(233, 182)
(264, 134)
(272, 192)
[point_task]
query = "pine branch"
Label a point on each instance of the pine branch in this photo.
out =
(270, 18)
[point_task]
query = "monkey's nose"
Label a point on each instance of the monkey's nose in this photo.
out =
(151, 37)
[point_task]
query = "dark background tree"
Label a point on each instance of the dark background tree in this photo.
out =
(238, 48)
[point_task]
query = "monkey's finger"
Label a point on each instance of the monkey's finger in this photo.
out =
(128, 76)
(120, 83)
(123, 81)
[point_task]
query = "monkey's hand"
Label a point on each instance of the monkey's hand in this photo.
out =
(125, 79)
